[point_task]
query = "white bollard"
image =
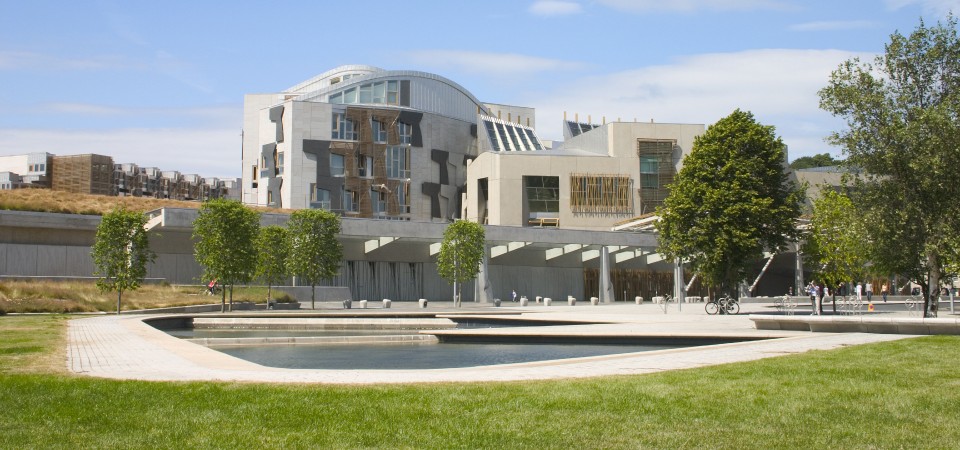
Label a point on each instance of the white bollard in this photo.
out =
(524, 301)
(539, 299)
(594, 301)
(638, 299)
(547, 301)
(386, 303)
(363, 304)
(571, 300)
(423, 303)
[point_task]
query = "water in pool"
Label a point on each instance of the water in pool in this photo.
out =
(420, 356)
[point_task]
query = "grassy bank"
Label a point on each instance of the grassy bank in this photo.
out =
(83, 296)
(871, 396)
(48, 200)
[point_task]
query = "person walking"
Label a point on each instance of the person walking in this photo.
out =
(812, 292)
(869, 287)
(513, 295)
(883, 291)
(859, 292)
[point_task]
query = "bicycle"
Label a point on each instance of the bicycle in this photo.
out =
(722, 305)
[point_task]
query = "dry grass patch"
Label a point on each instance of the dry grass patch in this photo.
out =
(18, 296)
(48, 200)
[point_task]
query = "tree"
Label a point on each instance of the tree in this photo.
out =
(460, 254)
(730, 202)
(273, 248)
(315, 252)
(121, 251)
(902, 129)
(225, 232)
(819, 160)
(835, 246)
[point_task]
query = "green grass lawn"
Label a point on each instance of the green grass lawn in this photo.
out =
(888, 395)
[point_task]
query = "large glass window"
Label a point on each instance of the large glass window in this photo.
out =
(398, 161)
(384, 92)
(343, 128)
(278, 160)
(543, 197)
(351, 201)
(649, 171)
(403, 200)
(336, 165)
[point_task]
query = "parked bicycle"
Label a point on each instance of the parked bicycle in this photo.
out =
(722, 305)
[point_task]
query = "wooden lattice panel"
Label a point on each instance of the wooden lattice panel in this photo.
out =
(601, 193)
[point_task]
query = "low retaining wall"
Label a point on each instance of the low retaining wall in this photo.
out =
(323, 293)
(858, 324)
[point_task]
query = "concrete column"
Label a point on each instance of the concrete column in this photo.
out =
(678, 285)
(484, 290)
(798, 271)
(606, 287)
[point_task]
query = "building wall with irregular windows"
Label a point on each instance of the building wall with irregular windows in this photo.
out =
(362, 142)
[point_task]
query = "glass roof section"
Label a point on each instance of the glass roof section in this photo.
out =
(510, 137)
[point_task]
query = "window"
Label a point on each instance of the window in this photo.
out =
(343, 128)
(543, 197)
(392, 93)
(278, 162)
(366, 93)
(649, 171)
(378, 202)
(336, 98)
(351, 201)
(364, 166)
(379, 132)
(350, 95)
(398, 161)
(319, 198)
(493, 135)
(336, 165)
(403, 200)
(406, 133)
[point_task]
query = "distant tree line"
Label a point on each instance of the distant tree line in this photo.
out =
(819, 160)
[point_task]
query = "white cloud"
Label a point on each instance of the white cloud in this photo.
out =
(554, 8)
(643, 6)
(778, 86)
(208, 151)
(936, 7)
(496, 64)
(833, 25)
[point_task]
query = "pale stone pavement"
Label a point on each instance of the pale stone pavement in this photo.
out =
(123, 347)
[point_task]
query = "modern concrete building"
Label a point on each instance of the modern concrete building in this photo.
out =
(373, 143)
(597, 178)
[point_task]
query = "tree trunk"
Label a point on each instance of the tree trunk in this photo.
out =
(119, 296)
(268, 293)
(313, 296)
(223, 300)
(933, 285)
(231, 297)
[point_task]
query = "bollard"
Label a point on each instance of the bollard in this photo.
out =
(423, 303)
(363, 304)
(571, 300)
(347, 304)
(594, 301)
(539, 299)
(639, 300)
(386, 303)
(496, 302)
(524, 301)
(547, 301)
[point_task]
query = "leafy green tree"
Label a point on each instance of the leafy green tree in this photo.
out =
(902, 129)
(121, 251)
(273, 248)
(460, 254)
(225, 232)
(315, 252)
(818, 160)
(730, 202)
(835, 246)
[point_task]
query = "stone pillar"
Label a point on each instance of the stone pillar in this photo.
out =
(606, 286)
(483, 287)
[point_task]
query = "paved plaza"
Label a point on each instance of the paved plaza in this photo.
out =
(124, 347)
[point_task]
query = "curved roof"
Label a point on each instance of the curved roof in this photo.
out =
(316, 87)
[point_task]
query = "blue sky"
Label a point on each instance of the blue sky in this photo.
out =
(162, 83)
